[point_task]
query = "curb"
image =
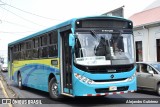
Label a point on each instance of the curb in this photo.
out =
(7, 90)
(11, 93)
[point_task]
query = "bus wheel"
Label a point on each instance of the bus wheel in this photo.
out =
(53, 89)
(20, 81)
(158, 89)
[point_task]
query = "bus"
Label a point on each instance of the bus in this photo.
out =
(88, 56)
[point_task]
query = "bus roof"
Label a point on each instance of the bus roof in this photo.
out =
(69, 22)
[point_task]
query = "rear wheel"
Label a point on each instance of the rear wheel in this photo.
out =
(158, 89)
(20, 81)
(53, 89)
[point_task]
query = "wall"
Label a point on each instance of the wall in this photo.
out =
(148, 37)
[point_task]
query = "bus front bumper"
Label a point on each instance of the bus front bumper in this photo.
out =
(84, 89)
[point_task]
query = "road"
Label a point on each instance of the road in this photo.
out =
(108, 101)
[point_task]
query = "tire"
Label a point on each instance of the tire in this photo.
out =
(158, 89)
(20, 85)
(53, 89)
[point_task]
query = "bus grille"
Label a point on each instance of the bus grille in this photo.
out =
(110, 80)
(106, 90)
(106, 69)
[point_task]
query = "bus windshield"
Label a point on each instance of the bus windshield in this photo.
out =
(104, 49)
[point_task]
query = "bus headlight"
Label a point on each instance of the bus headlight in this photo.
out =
(83, 79)
(132, 77)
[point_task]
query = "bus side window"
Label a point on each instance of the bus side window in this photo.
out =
(29, 49)
(39, 47)
(44, 46)
(35, 48)
(53, 44)
(22, 46)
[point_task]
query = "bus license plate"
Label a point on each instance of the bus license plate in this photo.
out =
(112, 88)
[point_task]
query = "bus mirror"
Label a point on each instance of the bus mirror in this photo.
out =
(71, 40)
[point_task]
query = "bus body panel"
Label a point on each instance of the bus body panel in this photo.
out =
(35, 73)
(105, 76)
(82, 88)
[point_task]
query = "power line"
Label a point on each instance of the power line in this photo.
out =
(1, 21)
(17, 32)
(22, 17)
(30, 12)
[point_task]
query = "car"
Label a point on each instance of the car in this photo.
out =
(4, 67)
(148, 76)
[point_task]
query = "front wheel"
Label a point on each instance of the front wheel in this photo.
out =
(53, 89)
(158, 89)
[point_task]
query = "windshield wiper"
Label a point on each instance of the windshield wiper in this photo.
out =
(93, 33)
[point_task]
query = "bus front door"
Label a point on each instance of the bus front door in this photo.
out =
(66, 65)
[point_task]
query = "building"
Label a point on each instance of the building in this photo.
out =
(116, 12)
(147, 33)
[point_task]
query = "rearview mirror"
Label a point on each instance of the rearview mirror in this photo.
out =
(71, 40)
(151, 72)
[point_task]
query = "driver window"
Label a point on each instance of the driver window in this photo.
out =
(146, 68)
(149, 68)
(143, 68)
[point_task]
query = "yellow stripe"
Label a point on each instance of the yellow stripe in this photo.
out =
(18, 64)
(5, 93)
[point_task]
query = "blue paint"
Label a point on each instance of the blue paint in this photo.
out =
(28, 75)
(81, 88)
(104, 76)
(40, 72)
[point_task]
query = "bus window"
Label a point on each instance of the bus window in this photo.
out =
(29, 49)
(35, 50)
(44, 46)
(52, 47)
(44, 40)
(22, 46)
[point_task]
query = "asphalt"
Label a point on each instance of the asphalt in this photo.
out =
(5, 93)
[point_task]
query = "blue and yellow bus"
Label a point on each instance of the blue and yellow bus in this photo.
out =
(89, 56)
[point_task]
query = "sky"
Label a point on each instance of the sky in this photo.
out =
(19, 18)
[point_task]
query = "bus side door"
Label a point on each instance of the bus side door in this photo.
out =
(66, 62)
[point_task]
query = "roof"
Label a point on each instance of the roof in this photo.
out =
(146, 17)
(69, 22)
(156, 3)
(43, 31)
